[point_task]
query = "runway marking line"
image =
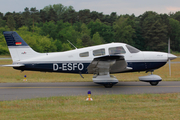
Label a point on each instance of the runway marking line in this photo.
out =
(80, 87)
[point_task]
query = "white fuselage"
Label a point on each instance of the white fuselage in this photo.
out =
(72, 61)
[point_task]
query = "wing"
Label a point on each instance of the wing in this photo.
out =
(108, 64)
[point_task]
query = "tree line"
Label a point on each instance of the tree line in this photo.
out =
(49, 29)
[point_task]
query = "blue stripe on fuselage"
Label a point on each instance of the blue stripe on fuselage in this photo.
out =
(57, 67)
(82, 67)
(144, 66)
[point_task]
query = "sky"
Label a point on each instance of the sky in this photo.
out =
(121, 7)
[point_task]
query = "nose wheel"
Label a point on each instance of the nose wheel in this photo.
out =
(154, 83)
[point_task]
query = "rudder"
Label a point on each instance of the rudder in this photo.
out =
(18, 48)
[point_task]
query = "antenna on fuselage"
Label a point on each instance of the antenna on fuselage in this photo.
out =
(71, 44)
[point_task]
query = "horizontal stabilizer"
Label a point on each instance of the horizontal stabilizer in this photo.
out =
(13, 65)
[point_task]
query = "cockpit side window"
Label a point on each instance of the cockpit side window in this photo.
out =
(84, 54)
(132, 49)
(99, 52)
(116, 50)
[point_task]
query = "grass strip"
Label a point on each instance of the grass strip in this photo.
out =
(103, 107)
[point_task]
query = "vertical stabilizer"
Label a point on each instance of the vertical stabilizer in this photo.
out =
(18, 48)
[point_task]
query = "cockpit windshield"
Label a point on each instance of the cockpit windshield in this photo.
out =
(132, 49)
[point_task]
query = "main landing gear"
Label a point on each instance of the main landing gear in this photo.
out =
(151, 78)
(107, 80)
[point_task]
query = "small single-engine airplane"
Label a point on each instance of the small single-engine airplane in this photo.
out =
(100, 60)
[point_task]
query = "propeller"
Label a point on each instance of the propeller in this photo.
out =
(170, 57)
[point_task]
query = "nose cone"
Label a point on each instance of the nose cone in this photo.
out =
(171, 56)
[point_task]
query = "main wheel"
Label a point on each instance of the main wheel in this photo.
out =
(108, 86)
(154, 83)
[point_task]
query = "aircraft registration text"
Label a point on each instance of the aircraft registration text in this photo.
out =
(68, 66)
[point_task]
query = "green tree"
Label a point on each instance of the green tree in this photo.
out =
(49, 28)
(43, 16)
(79, 43)
(47, 8)
(7, 15)
(37, 42)
(94, 15)
(26, 17)
(123, 31)
(86, 40)
(52, 16)
(176, 16)
(2, 23)
(84, 16)
(66, 46)
(155, 31)
(11, 22)
(112, 18)
(138, 39)
(18, 20)
(68, 33)
(59, 9)
(1, 15)
(77, 26)
(85, 36)
(175, 34)
(58, 44)
(156, 37)
(69, 16)
(34, 15)
(3, 46)
(105, 31)
(96, 39)
(85, 29)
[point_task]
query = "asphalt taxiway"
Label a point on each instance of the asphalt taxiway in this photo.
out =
(15, 91)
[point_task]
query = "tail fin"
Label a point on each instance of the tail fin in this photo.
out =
(18, 48)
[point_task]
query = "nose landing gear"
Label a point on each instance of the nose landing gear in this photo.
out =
(151, 78)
